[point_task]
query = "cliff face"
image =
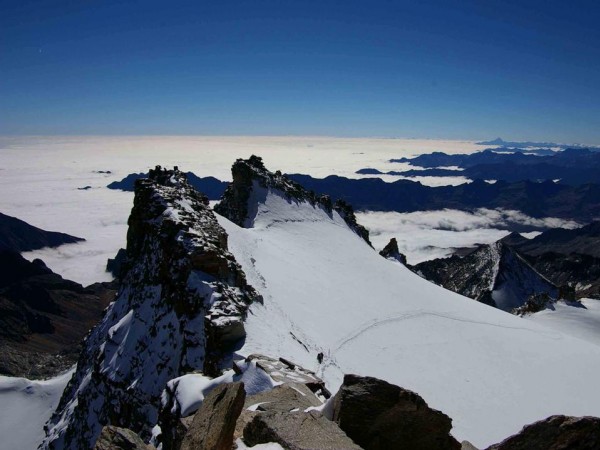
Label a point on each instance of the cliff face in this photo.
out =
(180, 308)
(250, 177)
(493, 274)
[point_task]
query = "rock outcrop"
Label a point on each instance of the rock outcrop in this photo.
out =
(494, 274)
(238, 204)
(43, 317)
(378, 415)
(391, 251)
(297, 431)
(115, 438)
(181, 307)
(556, 433)
(19, 236)
(214, 423)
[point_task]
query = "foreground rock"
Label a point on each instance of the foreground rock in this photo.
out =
(556, 433)
(378, 415)
(297, 431)
(115, 438)
(214, 423)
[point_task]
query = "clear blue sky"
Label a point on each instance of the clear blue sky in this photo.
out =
(429, 69)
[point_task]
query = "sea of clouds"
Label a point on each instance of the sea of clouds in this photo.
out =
(41, 180)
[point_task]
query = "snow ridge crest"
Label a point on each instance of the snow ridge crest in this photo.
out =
(237, 201)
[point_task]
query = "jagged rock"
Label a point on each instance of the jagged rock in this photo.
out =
(391, 251)
(214, 423)
(378, 415)
(297, 431)
(466, 445)
(115, 438)
(556, 433)
(116, 265)
(494, 274)
(182, 303)
(237, 206)
(283, 371)
(284, 398)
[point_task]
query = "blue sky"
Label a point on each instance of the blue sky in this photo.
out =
(425, 69)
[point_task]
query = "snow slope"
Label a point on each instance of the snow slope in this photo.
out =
(583, 323)
(326, 290)
(25, 407)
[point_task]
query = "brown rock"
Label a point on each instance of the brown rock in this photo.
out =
(115, 438)
(378, 415)
(214, 422)
(556, 433)
(297, 431)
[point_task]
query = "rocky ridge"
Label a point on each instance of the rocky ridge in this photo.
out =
(250, 175)
(180, 308)
(494, 274)
(43, 317)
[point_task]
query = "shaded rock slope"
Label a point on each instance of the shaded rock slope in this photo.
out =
(43, 317)
(180, 308)
(251, 180)
(494, 274)
(19, 236)
(567, 257)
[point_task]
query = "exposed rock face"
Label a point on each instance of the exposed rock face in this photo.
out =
(43, 317)
(391, 251)
(493, 274)
(378, 415)
(181, 308)
(556, 433)
(209, 186)
(214, 423)
(297, 431)
(19, 236)
(237, 204)
(115, 438)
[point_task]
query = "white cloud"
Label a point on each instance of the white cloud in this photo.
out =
(425, 235)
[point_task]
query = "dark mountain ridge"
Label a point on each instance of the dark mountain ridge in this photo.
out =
(19, 236)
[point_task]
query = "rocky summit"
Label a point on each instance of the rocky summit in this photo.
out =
(180, 308)
(252, 181)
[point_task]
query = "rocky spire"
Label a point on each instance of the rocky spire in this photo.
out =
(236, 201)
(181, 308)
(391, 251)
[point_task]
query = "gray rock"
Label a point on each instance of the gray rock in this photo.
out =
(284, 398)
(115, 438)
(284, 371)
(297, 431)
(556, 433)
(378, 415)
(466, 445)
(214, 422)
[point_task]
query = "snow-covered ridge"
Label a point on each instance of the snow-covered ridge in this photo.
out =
(325, 291)
(252, 182)
(180, 308)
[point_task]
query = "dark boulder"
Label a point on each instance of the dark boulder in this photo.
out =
(378, 415)
(555, 433)
(391, 251)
